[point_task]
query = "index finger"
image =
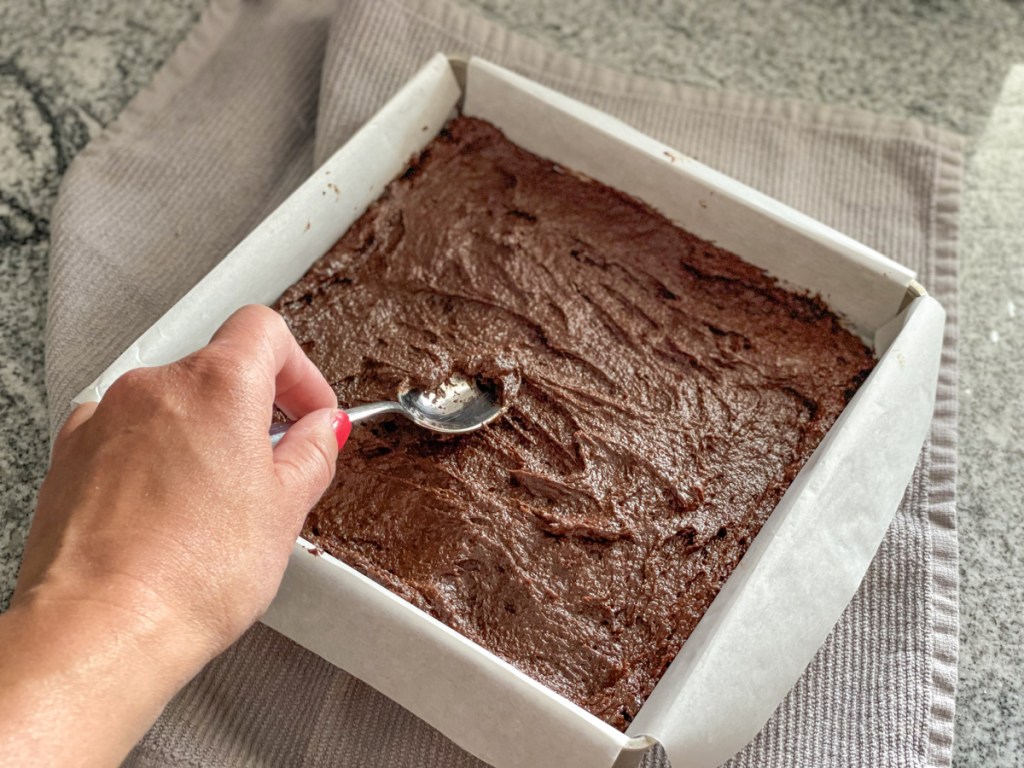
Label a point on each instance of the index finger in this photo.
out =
(299, 387)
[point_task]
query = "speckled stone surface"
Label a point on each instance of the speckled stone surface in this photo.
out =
(67, 68)
(991, 505)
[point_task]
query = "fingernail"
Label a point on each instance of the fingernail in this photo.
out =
(342, 426)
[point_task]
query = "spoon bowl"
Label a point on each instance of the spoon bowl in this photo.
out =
(457, 406)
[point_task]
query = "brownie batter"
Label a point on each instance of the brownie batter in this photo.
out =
(660, 393)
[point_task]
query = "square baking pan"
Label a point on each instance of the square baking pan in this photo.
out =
(801, 570)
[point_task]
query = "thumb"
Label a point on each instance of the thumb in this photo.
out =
(305, 459)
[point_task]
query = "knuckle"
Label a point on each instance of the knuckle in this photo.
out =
(219, 371)
(149, 391)
(129, 380)
(211, 365)
(255, 311)
(135, 384)
(259, 318)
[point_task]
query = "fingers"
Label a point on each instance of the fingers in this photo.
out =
(261, 335)
(300, 387)
(305, 458)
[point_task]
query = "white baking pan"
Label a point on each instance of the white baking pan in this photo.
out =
(801, 570)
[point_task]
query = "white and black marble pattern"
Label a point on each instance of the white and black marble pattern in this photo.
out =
(66, 70)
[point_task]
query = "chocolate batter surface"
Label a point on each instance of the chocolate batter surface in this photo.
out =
(661, 396)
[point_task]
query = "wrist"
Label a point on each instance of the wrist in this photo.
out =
(92, 670)
(137, 627)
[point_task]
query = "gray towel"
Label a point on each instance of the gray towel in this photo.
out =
(263, 91)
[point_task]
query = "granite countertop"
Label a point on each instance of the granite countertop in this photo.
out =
(67, 68)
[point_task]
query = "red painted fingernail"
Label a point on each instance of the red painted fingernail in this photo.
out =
(342, 426)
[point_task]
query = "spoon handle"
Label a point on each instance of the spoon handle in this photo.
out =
(355, 415)
(370, 410)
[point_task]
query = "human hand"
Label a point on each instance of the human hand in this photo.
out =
(166, 518)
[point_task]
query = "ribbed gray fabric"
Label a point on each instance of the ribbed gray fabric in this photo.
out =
(263, 90)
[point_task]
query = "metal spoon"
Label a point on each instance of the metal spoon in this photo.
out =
(458, 405)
